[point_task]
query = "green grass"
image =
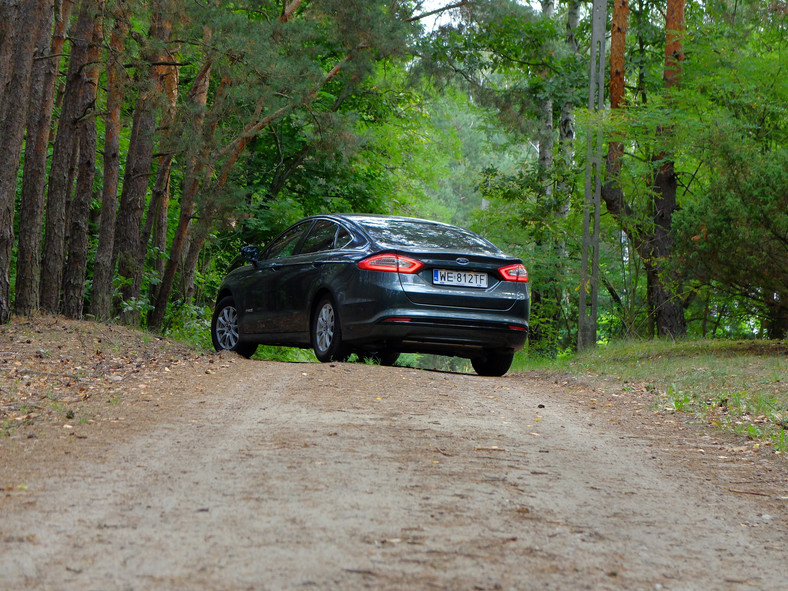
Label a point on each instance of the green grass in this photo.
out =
(735, 385)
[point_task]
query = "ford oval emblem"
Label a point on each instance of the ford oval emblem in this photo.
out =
(463, 261)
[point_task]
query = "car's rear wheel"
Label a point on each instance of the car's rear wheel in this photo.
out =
(493, 363)
(224, 329)
(327, 333)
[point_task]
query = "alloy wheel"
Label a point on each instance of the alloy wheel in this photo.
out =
(324, 330)
(227, 328)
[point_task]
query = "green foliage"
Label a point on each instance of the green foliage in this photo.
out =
(285, 354)
(445, 125)
(736, 232)
(191, 324)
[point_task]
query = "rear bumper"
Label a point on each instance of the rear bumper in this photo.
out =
(447, 337)
(386, 319)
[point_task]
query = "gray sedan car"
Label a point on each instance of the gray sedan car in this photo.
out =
(377, 286)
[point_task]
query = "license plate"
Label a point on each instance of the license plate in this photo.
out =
(460, 278)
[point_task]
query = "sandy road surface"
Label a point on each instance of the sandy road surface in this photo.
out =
(271, 476)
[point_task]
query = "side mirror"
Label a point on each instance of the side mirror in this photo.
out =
(250, 253)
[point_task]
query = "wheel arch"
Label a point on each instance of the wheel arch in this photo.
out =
(223, 293)
(323, 291)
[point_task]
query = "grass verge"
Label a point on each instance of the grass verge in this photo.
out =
(741, 386)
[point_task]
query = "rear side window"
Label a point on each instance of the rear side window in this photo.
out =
(320, 238)
(344, 239)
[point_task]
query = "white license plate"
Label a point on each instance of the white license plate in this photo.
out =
(461, 278)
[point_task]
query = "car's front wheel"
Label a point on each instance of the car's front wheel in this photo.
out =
(224, 329)
(327, 332)
(493, 363)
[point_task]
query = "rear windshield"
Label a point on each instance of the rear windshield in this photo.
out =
(415, 234)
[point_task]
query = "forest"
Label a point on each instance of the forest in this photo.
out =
(143, 142)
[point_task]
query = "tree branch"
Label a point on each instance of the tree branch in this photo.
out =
(287, 11)
(437, 11)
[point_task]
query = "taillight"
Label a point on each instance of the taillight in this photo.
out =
(393, 263)
(514, 273)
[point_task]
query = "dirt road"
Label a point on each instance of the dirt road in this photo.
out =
(236, 474)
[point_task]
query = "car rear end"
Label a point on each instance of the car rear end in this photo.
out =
(455, 294)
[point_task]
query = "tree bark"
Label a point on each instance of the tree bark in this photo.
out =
(18, 58)
(653, 241)
(668, 307)
(60, 174)
(566, 125)
(129, 250)
(156, 218)
(547, 128)
(8, 14)
(76, 264)
(289, 10)
(46, 65)
(104, 264)
(198, 97)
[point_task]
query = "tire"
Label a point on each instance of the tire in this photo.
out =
(387, 358)
(493, 363)
(224, 329)
(327, 332)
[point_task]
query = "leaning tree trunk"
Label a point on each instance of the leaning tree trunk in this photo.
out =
(155, 229)
(8, 15)
(195, 173)
(104, 264)
(17, 55)
(193, 124)
(76, 265)
(60, 174)
(39, 119)
(128, 243)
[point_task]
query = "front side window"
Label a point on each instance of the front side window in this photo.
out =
(285, 245)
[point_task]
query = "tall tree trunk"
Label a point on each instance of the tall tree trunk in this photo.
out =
(104, 264)
(543, 296)
(566, 150)
(777, 320)
(547, 128)
(652, 241)
(128, 243)
(76, 264)
(566, 125)
(61, 169)
(46, 65)
(668, 307)
(30, 17)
